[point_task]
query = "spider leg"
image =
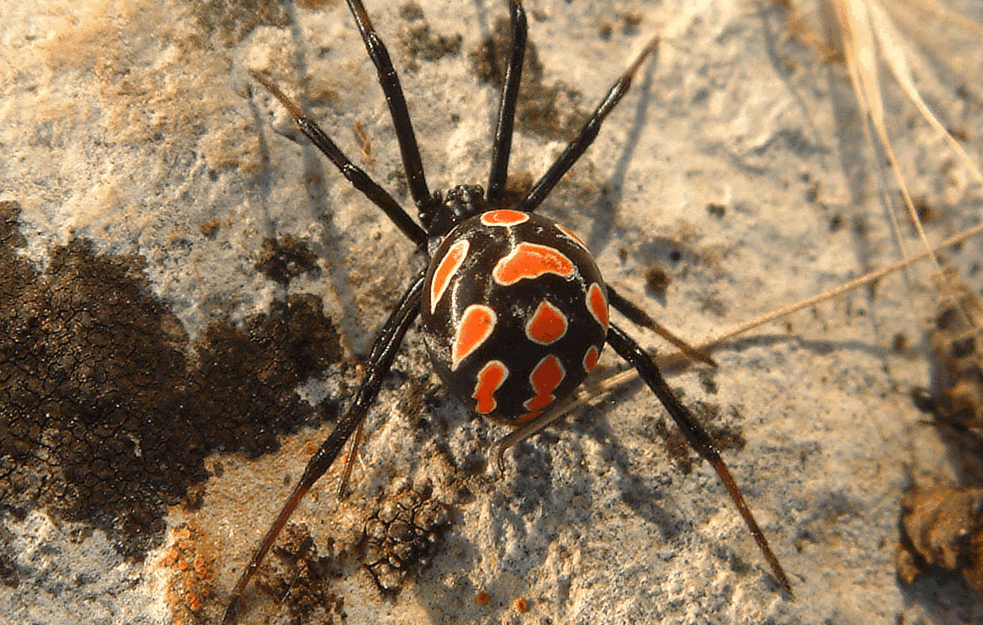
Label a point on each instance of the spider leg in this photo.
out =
(698, 437)
(641, 318)
(502, 146)
(379, 362)
(389, 81)
(588, 133)
(359, 179)
(350, 459)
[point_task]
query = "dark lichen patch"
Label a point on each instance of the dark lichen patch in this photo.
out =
(717, 210)
(285, 258)
(245, 376)
(628, 21)
(9, 574)
(419, 42)
(941, 523)
(550, 111)
(233, 20)
(298, 578)
(105, 417)
(10, 236)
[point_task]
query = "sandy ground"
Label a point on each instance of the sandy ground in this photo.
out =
(738, 164)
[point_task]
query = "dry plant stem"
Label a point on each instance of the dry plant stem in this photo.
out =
(346, 474)
(868, 35)
(677, 360)
(860, 51)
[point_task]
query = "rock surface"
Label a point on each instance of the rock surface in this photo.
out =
(738, 168)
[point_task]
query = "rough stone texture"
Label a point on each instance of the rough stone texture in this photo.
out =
(140, 162)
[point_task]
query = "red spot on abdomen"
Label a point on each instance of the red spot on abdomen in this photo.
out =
(544, 379)
(504, 217)
(530, 260)
(477, 324)
(597, 304)
(490, 379)
(548, 324)
(526, 418)
(448, 266)
(590, 358)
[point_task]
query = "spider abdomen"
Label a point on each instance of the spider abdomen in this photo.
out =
(515, 313)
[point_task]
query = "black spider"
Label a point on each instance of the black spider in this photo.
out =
(514, 309)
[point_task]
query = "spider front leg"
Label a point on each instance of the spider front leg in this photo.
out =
(697, 436)
(355, 174)
(576, 148)
(389, 81)
(502, 145)
(379, 363)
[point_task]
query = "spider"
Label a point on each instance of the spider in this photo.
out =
(514, 309)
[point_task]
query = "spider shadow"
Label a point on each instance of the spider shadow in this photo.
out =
(336, 247)
(603, 231)
(537, 489)
(546, 503)
(946, 596)
(595, 424)
(542, 510)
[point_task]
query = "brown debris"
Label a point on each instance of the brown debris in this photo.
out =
(942, 528)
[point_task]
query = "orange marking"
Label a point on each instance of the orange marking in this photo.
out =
(570, 233)
(490, 379)
(529, 260)
(547, 325)
(544, 379)
(476, 326)
(590, 358)
(597, 304)
(448, 266)
(504, 217)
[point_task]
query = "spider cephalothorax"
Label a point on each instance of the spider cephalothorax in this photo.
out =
(515, 312)
(451, 208)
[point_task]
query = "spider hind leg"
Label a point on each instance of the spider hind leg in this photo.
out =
(379, 363)
(698, 438)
